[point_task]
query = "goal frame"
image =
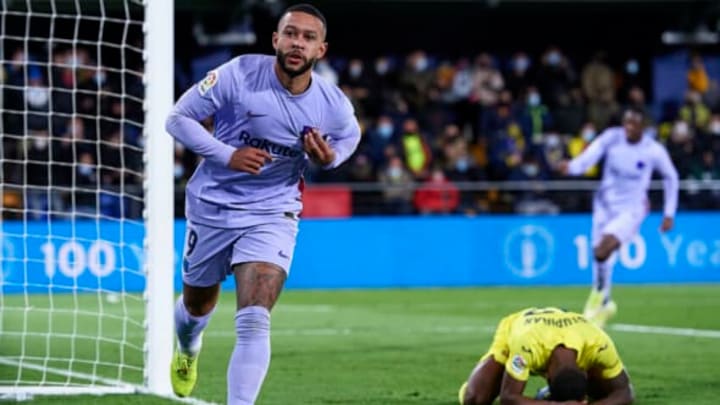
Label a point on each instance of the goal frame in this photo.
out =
(158, 216)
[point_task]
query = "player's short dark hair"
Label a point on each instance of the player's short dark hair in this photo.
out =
(569, 384)
(308, 9)
(635, 110)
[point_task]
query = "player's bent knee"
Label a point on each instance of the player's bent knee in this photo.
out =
(601, 253)
(200, 309)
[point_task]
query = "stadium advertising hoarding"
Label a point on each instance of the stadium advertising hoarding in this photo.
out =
(379, 253)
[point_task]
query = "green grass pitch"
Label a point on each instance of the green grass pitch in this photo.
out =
(387, 347)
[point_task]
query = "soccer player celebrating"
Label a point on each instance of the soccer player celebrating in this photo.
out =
(576, 357)
(620, 204)
(271, 115)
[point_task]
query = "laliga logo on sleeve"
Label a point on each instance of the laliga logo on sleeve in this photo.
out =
(518, 364)
(208, 82)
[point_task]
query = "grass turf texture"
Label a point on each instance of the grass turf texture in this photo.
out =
(393, 347)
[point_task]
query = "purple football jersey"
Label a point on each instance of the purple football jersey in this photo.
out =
(250, 107)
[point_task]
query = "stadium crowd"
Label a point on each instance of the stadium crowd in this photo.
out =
(71, 135)
(441, 122)
(431, 127)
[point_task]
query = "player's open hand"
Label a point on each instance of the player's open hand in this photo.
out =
(667, 224)
(249, 160)
(317, 148)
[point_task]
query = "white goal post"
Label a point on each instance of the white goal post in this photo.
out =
(86, 197)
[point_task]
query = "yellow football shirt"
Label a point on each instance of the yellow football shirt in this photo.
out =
(524, 341)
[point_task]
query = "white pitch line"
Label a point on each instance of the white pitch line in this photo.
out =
(113, 385)
(665, 330)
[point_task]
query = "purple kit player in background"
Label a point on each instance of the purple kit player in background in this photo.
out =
(271, 114)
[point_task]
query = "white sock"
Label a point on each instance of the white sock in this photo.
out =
(602, 278)
(189, 328)
(251, 357)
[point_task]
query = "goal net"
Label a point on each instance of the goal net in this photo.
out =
(85, 303)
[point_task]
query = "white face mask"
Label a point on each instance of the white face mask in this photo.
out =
(588, 134)
(40, 142)
(37, 96)
(355, 71)
(381, 67)
(530, 170)
(420, 64)
(681, 129)
(534, 99)
(85, 169)
(179, 170)
(385, 130)
(632, 67)
(715, 128)
(552, 141)
(394, 172)
(462, 165)
(554, 58)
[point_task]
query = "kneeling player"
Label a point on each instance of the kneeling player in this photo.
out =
(577, 358)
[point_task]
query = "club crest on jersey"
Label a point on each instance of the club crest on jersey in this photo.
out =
(640, 164)
(518, 364)
(208, 82)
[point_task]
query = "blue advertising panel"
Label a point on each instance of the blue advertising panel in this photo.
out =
(378, 252)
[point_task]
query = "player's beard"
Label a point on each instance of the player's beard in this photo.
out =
(282, 61)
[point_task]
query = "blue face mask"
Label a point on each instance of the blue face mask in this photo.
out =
(534, 99)
(521, 64)
(632, 67)
(554, 58)
(385, 130)
(588, 135)
(355, 71)
(178, 171)
(530, 170)
(462, 165)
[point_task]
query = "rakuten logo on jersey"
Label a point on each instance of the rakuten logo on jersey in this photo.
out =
(268, 146)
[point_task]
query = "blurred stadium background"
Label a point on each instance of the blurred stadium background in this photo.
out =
(465, 107)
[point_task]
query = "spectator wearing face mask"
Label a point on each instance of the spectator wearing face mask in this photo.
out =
(536, 118)
(631, 77)
(681, 146)
(355, 79)
(384, 97)
(397, 185)
(579, 142)
(519, 77)
(533, 200)
(458, 164)
(416, 80)
(37, 100)
(379, 137)
(466, 112)
(555, 75)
